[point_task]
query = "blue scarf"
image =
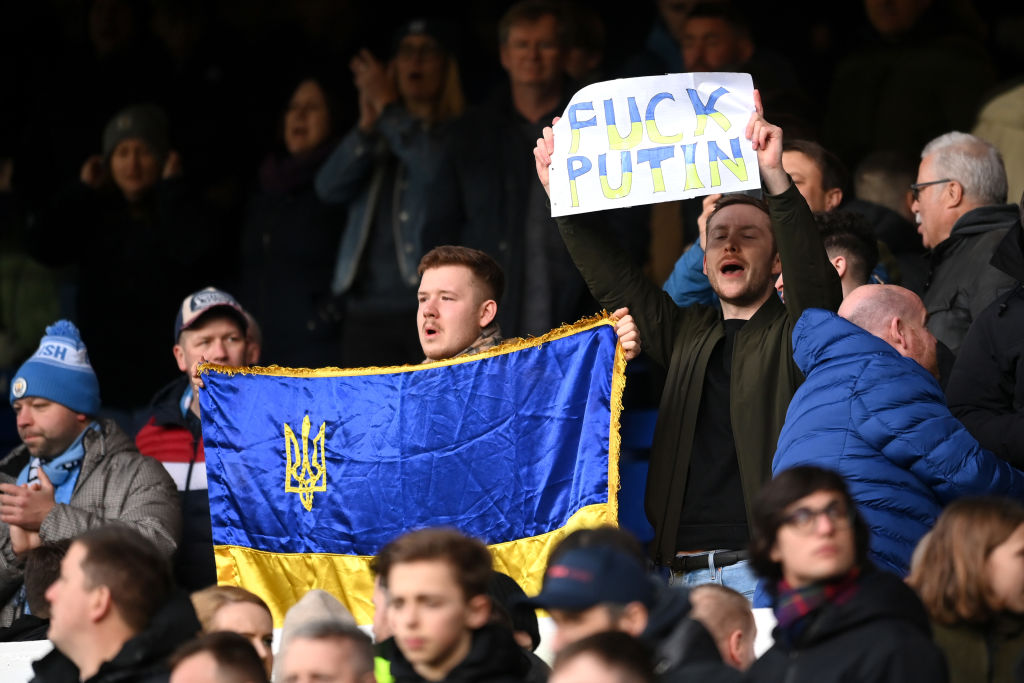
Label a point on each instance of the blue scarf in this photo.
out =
(63, 470)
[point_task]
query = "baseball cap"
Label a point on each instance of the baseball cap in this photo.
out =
(584, 577)
(205, 300)
(440, 30)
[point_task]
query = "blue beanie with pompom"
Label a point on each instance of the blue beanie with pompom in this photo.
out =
(59, 371)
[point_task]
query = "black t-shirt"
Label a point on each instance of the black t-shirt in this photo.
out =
(714, 515)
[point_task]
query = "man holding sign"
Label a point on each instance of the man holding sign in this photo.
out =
(731, 373)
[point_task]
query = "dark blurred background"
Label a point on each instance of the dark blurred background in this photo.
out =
(221, 68)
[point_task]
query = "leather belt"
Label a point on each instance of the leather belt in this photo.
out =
(722, 558)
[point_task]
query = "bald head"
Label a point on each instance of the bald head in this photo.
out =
(895, 315)
(874, 306)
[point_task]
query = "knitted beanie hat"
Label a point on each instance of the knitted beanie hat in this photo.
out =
(59, 371)
(146, 122)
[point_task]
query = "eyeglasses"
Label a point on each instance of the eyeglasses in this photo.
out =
(805, 520)
(915, 189)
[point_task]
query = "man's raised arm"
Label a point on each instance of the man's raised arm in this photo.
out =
(612, 277)
(803, 256)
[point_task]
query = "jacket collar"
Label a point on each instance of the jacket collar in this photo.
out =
(1009, 254)
(821, 336)
(979, 221)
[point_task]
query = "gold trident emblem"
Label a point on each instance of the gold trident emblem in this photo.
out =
(308, 475)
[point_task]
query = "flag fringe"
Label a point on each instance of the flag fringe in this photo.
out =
(505, 347)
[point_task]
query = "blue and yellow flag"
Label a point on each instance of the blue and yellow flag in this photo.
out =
(311, 472)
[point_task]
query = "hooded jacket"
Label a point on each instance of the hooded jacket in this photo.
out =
(880, 420)
(961, 282)
(494, 657)
(881, 634)
(143, 659)
(986, 387)
(763, 375)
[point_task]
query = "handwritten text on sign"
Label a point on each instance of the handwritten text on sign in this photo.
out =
(653, 139)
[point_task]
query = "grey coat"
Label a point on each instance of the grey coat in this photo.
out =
(116, 484)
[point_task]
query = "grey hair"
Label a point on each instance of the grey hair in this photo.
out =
(972, 162)
(329, 629)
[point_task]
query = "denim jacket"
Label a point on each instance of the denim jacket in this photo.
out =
(354, 174)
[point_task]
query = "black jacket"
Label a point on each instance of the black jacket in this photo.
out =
(146, 256)
(881, 634)
(494, 181)
(986, 387)
(495, 175)
(288, 249)
(494, 657)
(961, 282)
(177, 442)
(683, 648)
(143, 659)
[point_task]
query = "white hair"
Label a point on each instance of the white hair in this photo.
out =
(972, 162)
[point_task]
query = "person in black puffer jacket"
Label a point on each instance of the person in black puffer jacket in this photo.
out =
(986, 386)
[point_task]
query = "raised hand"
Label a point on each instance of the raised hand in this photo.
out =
(93, 172)
(28, 505)
(375, 85)
(172, 167)
(766, 139)
(542, 154)
(628, 332)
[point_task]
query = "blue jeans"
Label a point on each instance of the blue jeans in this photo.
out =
(740, 577)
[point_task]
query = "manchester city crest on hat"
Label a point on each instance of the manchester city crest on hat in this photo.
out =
(18, 387)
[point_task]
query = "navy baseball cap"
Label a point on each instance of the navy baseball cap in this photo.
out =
(584, 577)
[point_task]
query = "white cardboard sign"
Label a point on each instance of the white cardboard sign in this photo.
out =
(653, 139)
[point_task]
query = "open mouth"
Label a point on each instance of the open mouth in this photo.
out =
(731, 269)
(430, 331)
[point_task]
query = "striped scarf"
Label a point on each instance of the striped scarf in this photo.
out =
(793, 604)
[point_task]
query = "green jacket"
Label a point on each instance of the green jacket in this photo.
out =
(764, 376)
(982, 654)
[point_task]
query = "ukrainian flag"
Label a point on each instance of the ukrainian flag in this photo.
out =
(311, 472)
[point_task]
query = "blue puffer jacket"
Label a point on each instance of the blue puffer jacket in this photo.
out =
(880, 420)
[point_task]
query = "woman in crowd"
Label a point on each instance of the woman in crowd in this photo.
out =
(289, 237)
(384, 173)
(969, 572)
(839, 618)
(229, 608)
(130, 233)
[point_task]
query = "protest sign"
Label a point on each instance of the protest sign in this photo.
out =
(653, 139)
